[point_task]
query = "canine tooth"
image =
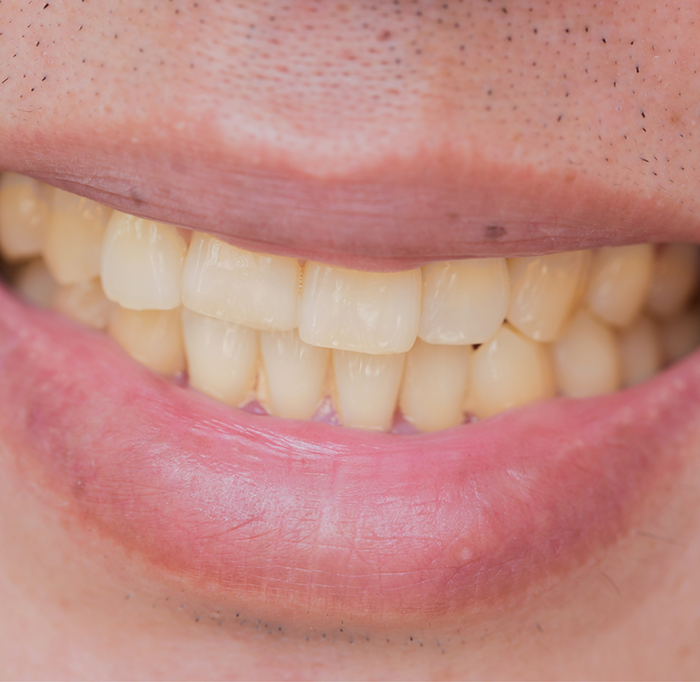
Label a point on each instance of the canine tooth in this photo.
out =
(464, 301)
(73, 242)
(295, 374)
(619, 282)
(508, 371)
(543, 292)
(142, 263)
(24, 213)
(640, 351)
(681, 335)
(366, 388)
(84, 302)
(221, 357)
(365, 312)
(252, 289)
(36, 284)
(673, 280)
(434, 385)
(152, 337)
(586, 358)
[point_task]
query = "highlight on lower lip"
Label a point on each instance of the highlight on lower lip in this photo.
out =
(424, 349)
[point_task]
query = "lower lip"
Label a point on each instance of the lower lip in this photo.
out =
(341, 522)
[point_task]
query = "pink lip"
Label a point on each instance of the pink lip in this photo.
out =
(323, 520)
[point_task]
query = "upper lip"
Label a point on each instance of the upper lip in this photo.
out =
(393, 215)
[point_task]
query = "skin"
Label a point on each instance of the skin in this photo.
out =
(579, 115)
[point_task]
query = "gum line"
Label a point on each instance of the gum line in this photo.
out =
(445, 343)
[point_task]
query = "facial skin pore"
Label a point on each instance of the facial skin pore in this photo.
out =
(378, 135)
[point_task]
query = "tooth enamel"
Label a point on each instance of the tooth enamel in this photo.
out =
(586, 358)
(681, 335)
(434, 385)
(152, 337)
(73, 242)
(640, 351)
(221, 357)
(366, 388)
(295, 374)
(619, 282)
(464, 301)
(543, 292)
(252, 289)
(84, 302)
(367, 312)
(142, 263)
(673, 280)
(36, 284)
(24, 214)
(508, 371)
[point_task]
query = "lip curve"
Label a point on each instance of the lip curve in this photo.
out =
(374, 527)
(395, 214)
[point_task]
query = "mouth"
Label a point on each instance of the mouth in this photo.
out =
(388, 443)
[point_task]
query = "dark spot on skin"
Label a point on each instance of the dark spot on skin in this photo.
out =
(495, 231)
(384, 35)
(539, 627)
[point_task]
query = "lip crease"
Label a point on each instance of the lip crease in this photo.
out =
(377, 527)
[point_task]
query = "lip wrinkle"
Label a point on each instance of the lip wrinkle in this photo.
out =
(380, 528)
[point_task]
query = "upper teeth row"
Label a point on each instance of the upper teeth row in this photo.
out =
(150, 266)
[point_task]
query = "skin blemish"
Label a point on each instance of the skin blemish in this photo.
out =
(495, 232)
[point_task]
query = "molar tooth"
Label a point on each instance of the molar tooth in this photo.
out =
(366, 312)
(221, 357)
(251, 289)
(544, 291)
(680, 336)
(586, 358)
(142, 263)
(640, 351)
(674, 278)
(24, 212)
(152, 337)
(84, 302)
(295, 374)
(619, 282)
(508, 371)
(464, 301)
(366, 388)
(73, 241)
(434, 385)
(36, 284)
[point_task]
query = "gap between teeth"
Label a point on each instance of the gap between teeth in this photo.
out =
(443, 343)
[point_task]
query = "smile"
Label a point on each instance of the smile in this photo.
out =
(276, 489)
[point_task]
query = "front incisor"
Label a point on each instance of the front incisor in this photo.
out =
(434, 384)
(295, 374)
(543, 292)
(221, 357)
(367, 312)
(142, 263)
(256, 290)
(508, 371)
(366, 388)
(464, 301)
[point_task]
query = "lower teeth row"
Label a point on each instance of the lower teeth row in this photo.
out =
(623, 314)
